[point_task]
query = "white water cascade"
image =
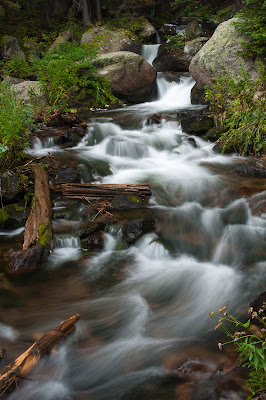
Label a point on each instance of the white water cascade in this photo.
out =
(145, 307)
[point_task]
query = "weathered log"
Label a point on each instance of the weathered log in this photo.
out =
(106, 191)
(38, 226)
(16, 371)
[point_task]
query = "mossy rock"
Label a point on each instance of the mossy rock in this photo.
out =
(13, 216)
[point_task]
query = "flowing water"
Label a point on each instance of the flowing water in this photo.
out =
(143, 308)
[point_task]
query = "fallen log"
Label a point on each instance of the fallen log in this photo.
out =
(38, 226)
(106, 191)
(18, 370)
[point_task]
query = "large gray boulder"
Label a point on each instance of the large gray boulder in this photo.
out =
(10, 48)
(220, 54)
(106, 41)
(29, 90)
(132, 78)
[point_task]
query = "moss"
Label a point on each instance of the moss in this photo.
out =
(135, 199)
(44, 236)
(3, 215)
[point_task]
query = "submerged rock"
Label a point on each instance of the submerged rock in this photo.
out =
(252, 169)
(134, 229)
(197, 124)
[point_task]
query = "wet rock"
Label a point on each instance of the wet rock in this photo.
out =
(72, 136)
(2, 352)
(136, 228)
(23, 261)
(194, 369)
(105, 219)
(192, 141)
(257, 203)
(94, 241)
(91, 229)
(68, 174)
(252, 169)
(13, 216)
(171, 60)
(154, 119)
(197, 125)
(197, 95)
(193, 30)
(124, 202)
(168, 29)
(258, 303)
(60, 120)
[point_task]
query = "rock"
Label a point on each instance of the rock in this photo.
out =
(134, 229)
(64, 37)
(154, 119)
(13, 216)
(94, 241)
(59, 120)
(29, 90)
(220, 54)
(257, 304)
(33, 49)
(236, 213)
(94, 227)
(193, 30)
(198, 124)
(22, 261)
(257, 204)
(10, 48)
(213, 134)
(193, 46)
(168, 29)
(147, 30)
(72, 136)
(107, 41)
(252, 169)
(132, 78)
(171, 60)
(197, 95)
(11, 188)
(67, 174)
(124, 202)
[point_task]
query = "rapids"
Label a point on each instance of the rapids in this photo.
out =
(144, 305)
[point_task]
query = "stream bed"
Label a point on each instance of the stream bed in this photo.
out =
(145, 307)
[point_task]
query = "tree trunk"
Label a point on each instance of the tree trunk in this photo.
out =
(98, 9)
(14, 372)
(86, 14)
(38, 226)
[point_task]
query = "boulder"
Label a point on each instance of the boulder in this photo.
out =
(193, 30)
(107, 41)
(197, 95)
(11, 187)
(171, 60)
(67, 174)
(33, 49)
(22, 261)
(13, 216)
(10, 48)
(29, 90)
(132, 78)
(220, 54)
(193, 46)
(147, 30)
(197, 124)
(94, 241)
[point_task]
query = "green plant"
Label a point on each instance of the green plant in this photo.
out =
(16, 122)
(249, 343)
(239, 104)
(175, 42)
(17, 67)
(68, 75)
(252, 22)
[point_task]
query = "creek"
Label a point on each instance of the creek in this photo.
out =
(144, 308)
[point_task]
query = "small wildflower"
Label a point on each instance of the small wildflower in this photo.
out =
(260, 311)
(254, 314)
(225, 314)
(263, 318)
(236, 338)
(211, 314)
(263, 330)
(222, 309)
(220, 346)
(250, 310)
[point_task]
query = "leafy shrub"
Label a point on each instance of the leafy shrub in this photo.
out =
(252, 23)
(16, 122)
(68, 75)
(175, 42)
(239, 103)
(249, 343)
(18, 68)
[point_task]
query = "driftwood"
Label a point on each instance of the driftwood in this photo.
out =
(92, 191)
(38, 226)
(16, 371)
